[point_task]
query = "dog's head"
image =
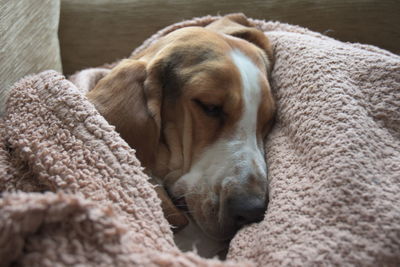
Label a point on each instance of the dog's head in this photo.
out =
(196, 106)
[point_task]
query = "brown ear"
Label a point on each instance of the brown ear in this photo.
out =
(129, 97)
(237, 25)
(121, 98)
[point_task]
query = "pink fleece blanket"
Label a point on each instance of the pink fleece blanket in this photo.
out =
(73, 192)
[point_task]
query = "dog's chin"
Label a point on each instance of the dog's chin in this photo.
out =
(205, 216)
(204, 210)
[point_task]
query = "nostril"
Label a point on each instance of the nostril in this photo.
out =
(246, 209)
(240, 221)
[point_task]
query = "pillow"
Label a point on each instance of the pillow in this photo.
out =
(29, 41)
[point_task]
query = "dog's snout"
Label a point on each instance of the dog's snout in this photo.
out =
(246, 209)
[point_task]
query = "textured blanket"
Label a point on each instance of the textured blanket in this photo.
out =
(73, 192)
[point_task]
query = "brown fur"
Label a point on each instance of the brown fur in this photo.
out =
(153, 99)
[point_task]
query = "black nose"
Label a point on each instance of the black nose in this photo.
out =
(246, 209)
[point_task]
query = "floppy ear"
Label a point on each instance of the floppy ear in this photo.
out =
(237, 25)
(129, 97)
(121, 98)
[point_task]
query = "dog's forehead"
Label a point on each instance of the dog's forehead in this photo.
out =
(204, 56)
(194, 45)
(196, 36)
(208, 44)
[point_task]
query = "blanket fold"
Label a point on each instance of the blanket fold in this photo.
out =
(73, 192)
(104, 211)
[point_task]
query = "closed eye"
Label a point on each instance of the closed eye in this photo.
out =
(210, 109)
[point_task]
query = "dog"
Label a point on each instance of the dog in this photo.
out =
(197, 106)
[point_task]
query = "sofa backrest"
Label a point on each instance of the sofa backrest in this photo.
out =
(101, 31)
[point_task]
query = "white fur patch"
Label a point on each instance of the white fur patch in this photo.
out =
(237, 153)
(251, 95)
(229, 161)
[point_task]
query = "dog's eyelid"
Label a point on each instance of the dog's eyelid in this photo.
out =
(210, 109)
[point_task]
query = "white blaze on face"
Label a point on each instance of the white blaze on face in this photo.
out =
(231, 159)
(247, 125)
(251, 95)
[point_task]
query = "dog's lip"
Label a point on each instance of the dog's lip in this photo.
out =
(180, 203)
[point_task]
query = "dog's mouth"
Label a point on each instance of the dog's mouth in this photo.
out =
(189, 211)
(206, 213)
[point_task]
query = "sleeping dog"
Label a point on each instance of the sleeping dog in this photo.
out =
(197, 105)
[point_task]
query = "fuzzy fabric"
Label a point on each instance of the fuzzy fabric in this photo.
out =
(73, 191)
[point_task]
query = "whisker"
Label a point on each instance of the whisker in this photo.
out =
(181, 206)
(178, 213)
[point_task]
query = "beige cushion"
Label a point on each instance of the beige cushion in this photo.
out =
(96, 32)
(28, 38)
